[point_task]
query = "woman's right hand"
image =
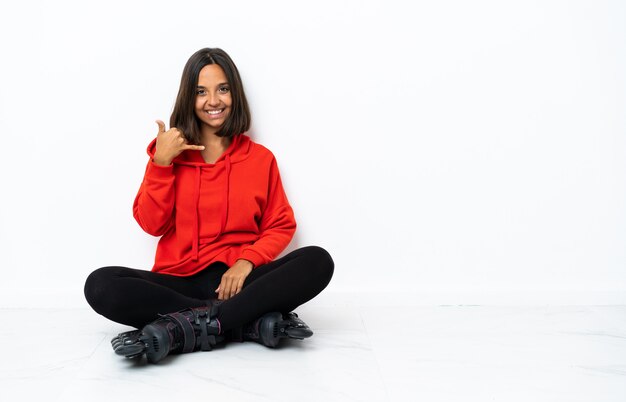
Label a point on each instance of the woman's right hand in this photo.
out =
(170, 144)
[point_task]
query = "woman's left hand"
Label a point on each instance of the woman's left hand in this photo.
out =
(232, 280)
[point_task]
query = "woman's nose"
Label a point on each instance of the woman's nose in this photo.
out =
(213, 100)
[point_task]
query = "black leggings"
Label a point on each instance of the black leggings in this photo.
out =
(135, 297)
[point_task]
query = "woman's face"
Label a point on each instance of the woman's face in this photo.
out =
(213, 98)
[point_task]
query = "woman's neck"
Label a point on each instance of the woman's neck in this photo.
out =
(213, 141)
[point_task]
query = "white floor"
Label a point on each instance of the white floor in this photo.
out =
(437, 353)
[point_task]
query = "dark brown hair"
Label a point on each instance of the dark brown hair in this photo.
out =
(184, 117)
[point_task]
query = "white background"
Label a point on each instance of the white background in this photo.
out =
(453, 147)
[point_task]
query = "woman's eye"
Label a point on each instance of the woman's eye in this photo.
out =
(200, 92)
(224, 89)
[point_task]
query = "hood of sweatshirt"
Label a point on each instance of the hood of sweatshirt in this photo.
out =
(237, 151)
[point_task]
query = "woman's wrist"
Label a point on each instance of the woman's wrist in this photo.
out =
(242, 260)
(161, 162)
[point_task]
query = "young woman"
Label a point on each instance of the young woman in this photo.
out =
(216, 199)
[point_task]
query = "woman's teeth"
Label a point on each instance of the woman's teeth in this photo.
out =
(215, 111)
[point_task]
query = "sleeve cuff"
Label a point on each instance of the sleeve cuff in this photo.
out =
(160, 171)
(253, 257)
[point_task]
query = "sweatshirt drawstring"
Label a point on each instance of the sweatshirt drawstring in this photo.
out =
(196, 226)
(196, 241)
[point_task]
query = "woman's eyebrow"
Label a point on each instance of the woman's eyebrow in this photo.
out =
(221, 83)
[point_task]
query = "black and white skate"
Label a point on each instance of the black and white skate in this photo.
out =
(181, 332)
(129, 344)
(269, 329)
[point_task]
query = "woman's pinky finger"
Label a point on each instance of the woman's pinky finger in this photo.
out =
(236, 290)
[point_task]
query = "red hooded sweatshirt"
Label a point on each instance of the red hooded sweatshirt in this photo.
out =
(231, 209)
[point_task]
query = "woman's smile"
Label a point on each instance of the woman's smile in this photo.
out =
(215, 113)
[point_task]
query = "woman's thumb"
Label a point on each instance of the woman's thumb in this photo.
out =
(161, 126)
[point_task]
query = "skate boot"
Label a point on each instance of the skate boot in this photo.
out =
(182, 332)
(270, 328)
